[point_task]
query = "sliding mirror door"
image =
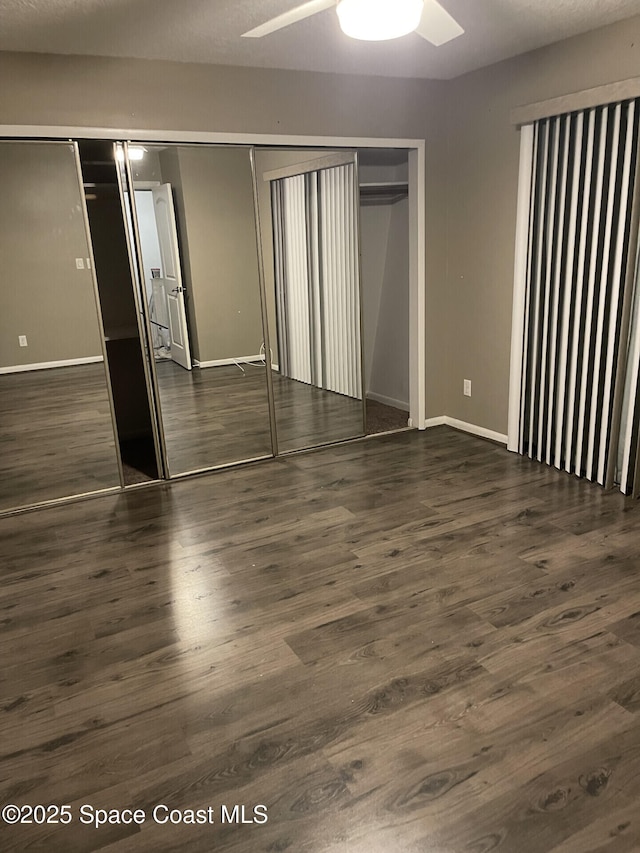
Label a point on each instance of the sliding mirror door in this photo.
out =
(56, 428)
(195, 229)
(308, 203)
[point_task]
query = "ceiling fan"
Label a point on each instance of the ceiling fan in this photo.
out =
(374, 20)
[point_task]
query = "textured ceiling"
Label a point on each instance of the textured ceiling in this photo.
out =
(209, 31)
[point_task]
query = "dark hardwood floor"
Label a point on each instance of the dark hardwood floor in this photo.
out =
(56, 435)
(217, 415)
(57, 440)
(419, 643)
(213, 416)
(307, 416)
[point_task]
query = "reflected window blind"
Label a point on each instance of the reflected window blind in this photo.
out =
(584, 168)
(315, 235)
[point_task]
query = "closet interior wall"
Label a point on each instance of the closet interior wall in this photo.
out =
(384, 224)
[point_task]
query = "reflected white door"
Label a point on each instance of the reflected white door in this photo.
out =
(169, 251)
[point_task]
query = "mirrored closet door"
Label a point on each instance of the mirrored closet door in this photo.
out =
(56, 429)
(173, 308)
(194, 225)
(308, 204)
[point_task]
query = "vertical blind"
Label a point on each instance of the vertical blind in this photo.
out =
(315, 232)
(580, 354)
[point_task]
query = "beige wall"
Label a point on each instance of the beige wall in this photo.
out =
(480, 206)
(121, 93)
(43, 295)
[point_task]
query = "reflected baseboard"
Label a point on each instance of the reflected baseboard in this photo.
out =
(388, 401)
(225, 362)
(48, 365)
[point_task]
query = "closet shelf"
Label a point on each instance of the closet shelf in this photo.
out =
(383, 192)
(122, 333)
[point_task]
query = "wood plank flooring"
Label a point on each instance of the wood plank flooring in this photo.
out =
(57, 438)
(56, 435)
(420, 643)
(213, 416)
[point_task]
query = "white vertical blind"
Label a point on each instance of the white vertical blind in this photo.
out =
(584, 168)
(317, 279)
(630, 407)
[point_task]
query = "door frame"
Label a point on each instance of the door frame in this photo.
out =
(181, 308)
(417, 209)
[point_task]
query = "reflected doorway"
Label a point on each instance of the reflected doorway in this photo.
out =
(194, 222)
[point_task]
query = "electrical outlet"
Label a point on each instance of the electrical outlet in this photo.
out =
(22, 340)
(466, 387)
(79, 263)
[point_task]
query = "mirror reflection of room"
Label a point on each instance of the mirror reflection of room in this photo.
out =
(56, 429)
(323, 294)
(123, 336)
(195, 219)
(307, 202)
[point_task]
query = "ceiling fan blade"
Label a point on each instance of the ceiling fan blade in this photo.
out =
(436, 24)
(290, 17)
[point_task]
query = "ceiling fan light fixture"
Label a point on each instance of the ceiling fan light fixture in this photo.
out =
(379, 20)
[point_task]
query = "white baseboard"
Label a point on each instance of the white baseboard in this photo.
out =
(442, 420)
(222, 362)
(463, 426)
(48, 365)
(388, 401)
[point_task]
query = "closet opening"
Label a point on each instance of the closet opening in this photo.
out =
(126, 354)
(384, 247)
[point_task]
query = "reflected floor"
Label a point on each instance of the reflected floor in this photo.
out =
(308, 416)
(56, 434)
(57, 438)
(214, 415)
(383, 418)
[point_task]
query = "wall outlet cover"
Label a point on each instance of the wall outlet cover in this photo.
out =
(466, 387)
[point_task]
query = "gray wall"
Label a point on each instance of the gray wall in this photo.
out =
(43, 295)
(215, 211)
(384, 244)
(390, 357)
(374, 236)
(169, 163)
